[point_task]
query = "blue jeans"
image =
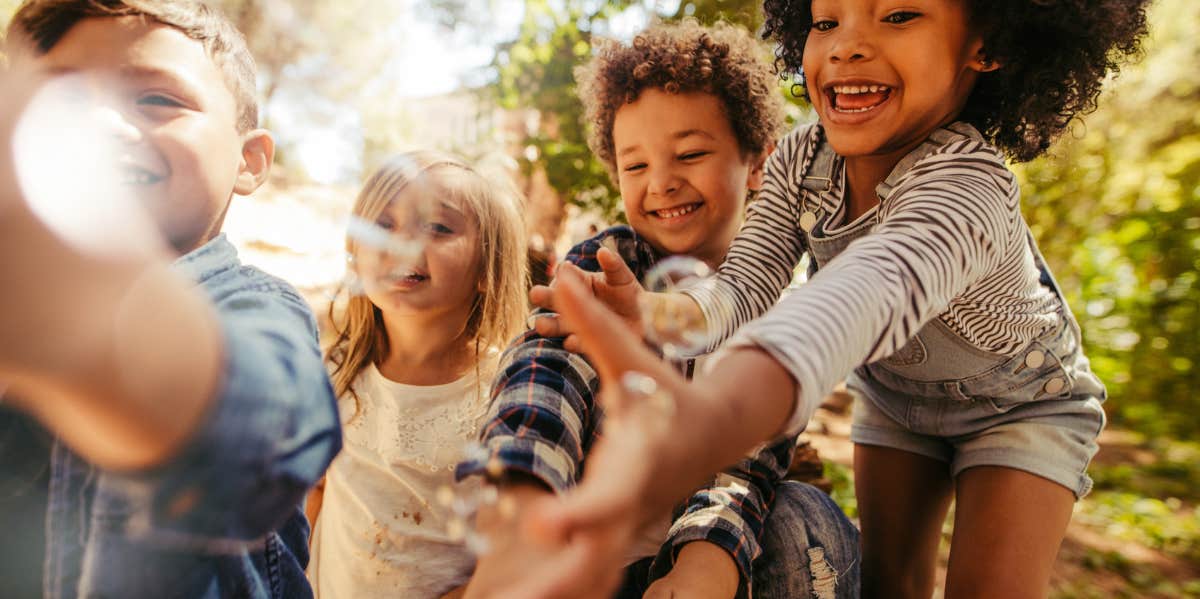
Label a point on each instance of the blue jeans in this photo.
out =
(810, 549)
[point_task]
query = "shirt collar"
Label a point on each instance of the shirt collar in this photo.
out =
(208, 260)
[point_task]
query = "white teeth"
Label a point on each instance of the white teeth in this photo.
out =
(675, 212)
(859, 89)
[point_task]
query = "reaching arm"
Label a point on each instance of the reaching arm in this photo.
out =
(93, 344)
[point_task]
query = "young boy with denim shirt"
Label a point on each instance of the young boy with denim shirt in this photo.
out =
(683, 117)
(184, 393)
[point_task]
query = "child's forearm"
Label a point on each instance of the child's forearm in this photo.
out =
(708, 567)
(119, 357)
(744, 400)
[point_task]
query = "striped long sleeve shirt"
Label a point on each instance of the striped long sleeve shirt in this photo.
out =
(949, 243)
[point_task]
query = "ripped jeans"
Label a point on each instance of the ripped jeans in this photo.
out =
(810, 550)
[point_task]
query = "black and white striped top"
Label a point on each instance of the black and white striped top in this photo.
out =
(949, 243)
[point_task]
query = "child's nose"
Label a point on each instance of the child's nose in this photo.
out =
(114, 124)
(850, 45)
(664, 183)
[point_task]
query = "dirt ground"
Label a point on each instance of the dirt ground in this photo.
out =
(1078, 572)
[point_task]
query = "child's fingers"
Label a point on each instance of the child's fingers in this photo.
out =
(602, 335)
(549, 325)
(571, 344)
(616, 272)
(542, 296)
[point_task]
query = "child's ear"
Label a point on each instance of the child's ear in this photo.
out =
(980, 60)
(758, 167)
(984, 64)
(258, 152)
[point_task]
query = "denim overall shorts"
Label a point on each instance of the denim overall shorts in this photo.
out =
(939, 396)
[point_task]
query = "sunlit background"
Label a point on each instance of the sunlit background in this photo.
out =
(1116, 208)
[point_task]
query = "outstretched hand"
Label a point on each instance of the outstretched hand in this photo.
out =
(595, 523)
(615, 285)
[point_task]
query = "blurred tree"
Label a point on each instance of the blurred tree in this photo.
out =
(325, 48)
(1116, 208)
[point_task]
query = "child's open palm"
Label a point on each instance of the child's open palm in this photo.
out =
(615, 285)
(596, 522)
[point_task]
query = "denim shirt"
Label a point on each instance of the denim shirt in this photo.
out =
(224, 517)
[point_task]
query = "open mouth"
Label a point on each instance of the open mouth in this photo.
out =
(405, 278)
(853, 99)
(677, 211)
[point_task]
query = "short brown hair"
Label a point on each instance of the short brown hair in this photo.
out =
(42, 23)
(722, 60)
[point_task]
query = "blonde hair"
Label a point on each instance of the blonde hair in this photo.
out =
(499, 309)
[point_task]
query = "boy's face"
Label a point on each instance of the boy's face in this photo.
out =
(883, 74)
(682, 174)
(166, 104)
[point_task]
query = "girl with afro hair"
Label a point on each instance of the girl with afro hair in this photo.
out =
(926, 292)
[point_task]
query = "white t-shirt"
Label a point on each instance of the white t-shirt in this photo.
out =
(381, 531)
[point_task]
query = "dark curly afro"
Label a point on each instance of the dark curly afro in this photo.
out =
(1054, 57)
(723, 60)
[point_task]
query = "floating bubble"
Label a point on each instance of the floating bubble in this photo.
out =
(463, 502)
(678, 331)
(85, 171)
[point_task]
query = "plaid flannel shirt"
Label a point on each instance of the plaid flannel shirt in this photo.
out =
(543, 420)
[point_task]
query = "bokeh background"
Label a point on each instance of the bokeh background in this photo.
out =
(1115, 207)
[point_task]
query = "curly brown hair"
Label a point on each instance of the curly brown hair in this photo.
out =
(723, 60)
(1053, 54)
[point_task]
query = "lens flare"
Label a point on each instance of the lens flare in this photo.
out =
(77, 172)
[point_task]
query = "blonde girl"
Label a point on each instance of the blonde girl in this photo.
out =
(414, 350)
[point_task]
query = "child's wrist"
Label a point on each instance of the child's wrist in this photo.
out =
(703, 560)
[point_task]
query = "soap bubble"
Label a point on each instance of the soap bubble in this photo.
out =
(464, 501)
(677, 331)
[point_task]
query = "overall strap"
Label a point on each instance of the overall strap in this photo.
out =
(818, 177)
(937, 139)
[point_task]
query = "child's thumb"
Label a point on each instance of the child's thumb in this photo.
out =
(616, 272)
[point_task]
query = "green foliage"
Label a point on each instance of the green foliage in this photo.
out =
(1163, 524)
(1140, 580)
(1175, 473)
(1116, 208)
(536, 72)
(843, 487)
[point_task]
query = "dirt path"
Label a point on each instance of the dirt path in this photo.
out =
(1090, 564)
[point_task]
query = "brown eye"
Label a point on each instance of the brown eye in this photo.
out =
(901, 17)
(824, 25)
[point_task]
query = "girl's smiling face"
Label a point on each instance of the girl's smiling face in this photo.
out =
(442, 275)
(884, 74)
